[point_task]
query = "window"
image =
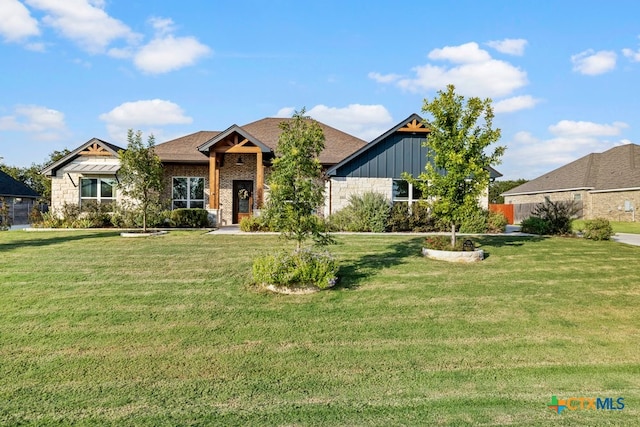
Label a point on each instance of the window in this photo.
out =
(100, 190)
(188, 192)
(577, 197)
(404, 191)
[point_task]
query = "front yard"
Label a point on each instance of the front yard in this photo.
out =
(97, 329)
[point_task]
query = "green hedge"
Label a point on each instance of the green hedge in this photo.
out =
(189, 218)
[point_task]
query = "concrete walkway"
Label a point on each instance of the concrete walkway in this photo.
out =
(628, 238)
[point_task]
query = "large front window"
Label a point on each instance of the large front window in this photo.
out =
(404, 191)
(99, 190)
(188, 192)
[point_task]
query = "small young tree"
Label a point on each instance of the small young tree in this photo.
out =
(296, 187)
(140, 174)
(457, 172)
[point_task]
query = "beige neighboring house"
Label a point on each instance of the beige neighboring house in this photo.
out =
(606, 184)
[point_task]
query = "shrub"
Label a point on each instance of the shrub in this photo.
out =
(443, 243)
(535, 225)
(475, 222)
(189, 218)
(366, 212)
(558, 215)
(94, 214)
(253, 223)
(598, 229)
(496, 222)
(5, 222)
(421, 220)
(303, 267)
(399, 217)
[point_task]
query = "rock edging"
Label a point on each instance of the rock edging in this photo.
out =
(454, 256)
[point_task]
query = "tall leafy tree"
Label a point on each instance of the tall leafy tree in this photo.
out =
(496, 188)
(140, 173)
(296, 187)
(32, 177)
(457, 173)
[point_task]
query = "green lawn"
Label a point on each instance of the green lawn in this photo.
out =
(618, 226)
(98, 329)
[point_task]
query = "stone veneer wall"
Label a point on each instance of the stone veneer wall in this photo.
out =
(339, 189)
(171, 170)
(65, 186)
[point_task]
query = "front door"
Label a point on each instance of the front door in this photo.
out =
(242, 200)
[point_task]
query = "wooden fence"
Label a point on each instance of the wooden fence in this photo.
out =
(516, 213)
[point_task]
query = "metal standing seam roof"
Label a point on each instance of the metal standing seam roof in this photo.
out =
(95, 168)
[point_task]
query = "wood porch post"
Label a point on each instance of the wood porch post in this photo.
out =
(259, 180)
(213, 181)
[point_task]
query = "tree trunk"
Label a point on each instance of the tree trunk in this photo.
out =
(453, 235)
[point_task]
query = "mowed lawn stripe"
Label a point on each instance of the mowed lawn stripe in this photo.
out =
(170, 331)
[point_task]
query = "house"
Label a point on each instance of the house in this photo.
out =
(225, 171)
(18, 197)
(607, 184)
(379, 166)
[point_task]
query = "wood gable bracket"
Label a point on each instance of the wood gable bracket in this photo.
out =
(94, 149)
(414, 126)
(235, 145)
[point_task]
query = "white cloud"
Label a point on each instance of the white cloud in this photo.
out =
(84, 22)
(162, 25)
(569, 128)
(594, 63)
(474, 73)
(384, 78)
(364, 121)
(169, 53)
(45, 123)
(533, 156)
(515, 103)
(464, 54)
(16, 23)
(145, 113)
(633, 55)
(509, 46)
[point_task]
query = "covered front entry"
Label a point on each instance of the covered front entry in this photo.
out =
(242, 200)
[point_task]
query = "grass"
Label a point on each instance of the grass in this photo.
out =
(97, 329)
(618, 226)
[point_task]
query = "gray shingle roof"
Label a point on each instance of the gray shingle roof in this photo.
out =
(338, 144)
(10, 187)
(616, 168)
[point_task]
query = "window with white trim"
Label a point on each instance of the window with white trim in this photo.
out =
(99, 190)
(187, 192)
(404, 191)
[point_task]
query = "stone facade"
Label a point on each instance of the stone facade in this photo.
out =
(339, 189)
(65, 186)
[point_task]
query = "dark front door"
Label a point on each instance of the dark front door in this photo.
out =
(242, 200)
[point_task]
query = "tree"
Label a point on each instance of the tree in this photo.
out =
(296, 187)
(458, 171)
(32, 176)
(140, 174)
(496, 188)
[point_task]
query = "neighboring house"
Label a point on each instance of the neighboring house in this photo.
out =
(19, 198)
(607, 184)
(379, 165)
(225, 172)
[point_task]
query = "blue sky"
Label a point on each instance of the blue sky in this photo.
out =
(563, 75)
